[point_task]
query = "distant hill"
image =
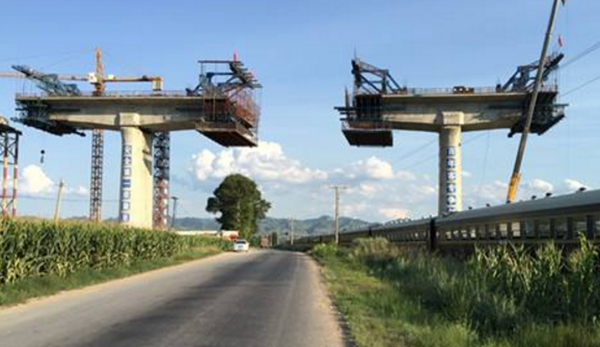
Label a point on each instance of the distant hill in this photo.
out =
(314, 226)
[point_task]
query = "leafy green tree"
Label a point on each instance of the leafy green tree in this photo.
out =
(240, 205)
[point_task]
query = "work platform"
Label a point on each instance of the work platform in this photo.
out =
(216, 118)
(372, 117)
(378, 105)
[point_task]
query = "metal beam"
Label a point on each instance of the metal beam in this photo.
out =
(162, 144)
(96, 175)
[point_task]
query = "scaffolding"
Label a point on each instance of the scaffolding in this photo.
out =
(230, 112)
(161, 148)
(96, 175)
(9, 145)
(375, 90)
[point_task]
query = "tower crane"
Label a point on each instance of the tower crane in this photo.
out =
(53, 85)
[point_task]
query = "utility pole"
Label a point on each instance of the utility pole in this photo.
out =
(336, 192)
(291, 222)
(61, 185)
(174, 211)
(516, 175)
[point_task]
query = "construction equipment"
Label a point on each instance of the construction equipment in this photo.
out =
(53, 85)
(99, 80)
(378, 105)
(541, 75)
(9, 147)
(222, 108)
(231, 114)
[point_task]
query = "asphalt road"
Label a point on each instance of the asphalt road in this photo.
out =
(262, 299)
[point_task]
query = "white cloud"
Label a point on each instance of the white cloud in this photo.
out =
(372, 168)
(393, 213)
(203, 164)
(540, 186)
(266, 162)
(573, 185)
(79, 190)
(35, 181)
(353, 210)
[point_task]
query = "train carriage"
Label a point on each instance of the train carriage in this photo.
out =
(560, 218)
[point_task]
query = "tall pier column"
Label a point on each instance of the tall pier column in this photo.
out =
(135, 208)
(450, 170)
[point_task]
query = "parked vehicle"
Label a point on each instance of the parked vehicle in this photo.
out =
(241, 245)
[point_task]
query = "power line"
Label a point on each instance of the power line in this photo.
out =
(584, 53)
(41, 56)
(46, 198)
(581, 86)
(415, 151)
(433, 156)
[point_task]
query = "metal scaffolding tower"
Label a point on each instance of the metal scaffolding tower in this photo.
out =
(96, 175)
(9, 145)
(162, 144)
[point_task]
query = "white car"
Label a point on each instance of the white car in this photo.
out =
(241, 245)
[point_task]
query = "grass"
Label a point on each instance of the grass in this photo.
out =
(33, 287)
(392, 297)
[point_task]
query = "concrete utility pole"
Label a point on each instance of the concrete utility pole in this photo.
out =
(174, 211)
(336, 192)
(516, 175)
(291, 222)
(61, 185)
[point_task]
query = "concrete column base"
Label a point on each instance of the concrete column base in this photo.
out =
(136, 178)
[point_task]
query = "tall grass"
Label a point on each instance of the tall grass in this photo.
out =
(499, 293)
(38, 248)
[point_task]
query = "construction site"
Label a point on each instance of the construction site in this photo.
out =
(222, 106)
(378, 105)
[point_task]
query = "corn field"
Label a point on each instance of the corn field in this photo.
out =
(34, 248)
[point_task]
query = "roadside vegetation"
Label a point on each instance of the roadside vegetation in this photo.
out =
(504, 296)
(41, 258)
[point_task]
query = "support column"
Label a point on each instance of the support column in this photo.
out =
(450, 170)
(136, 178)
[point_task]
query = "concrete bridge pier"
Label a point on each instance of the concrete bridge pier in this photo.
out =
(450, 165)
(135, 208)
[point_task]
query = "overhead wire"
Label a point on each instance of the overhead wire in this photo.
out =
(485, 161)
(581, 86)
(41, 56)
(415, 151)
(433, 156)
(583, 54)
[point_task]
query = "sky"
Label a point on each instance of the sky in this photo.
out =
(300, 51)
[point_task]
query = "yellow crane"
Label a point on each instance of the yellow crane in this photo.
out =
(516, 175)
(98, 80)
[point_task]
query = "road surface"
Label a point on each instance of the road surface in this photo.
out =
(261, 298)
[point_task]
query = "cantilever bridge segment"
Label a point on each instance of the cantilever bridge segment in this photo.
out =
(378, 105)
(222, 107)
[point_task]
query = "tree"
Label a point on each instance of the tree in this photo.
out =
(240, 205)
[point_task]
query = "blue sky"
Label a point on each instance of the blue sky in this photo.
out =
(301, 53)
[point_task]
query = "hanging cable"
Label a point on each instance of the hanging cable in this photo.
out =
(583, 54)
(485, 160)
(433, 156)
(415, 151)
(581, 86)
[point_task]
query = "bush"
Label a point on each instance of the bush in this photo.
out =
(324, 251)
